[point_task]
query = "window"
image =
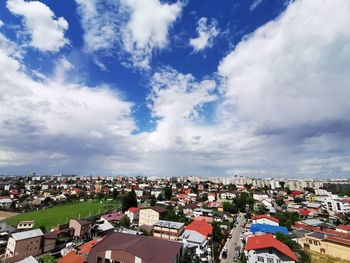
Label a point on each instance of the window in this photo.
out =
(270, 260)
(315, 243)
(107, 260)
(278, 261)
(260, 259)
(322, 250)
(99, 260)
(310, 241)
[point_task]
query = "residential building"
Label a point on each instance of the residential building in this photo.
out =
(201, 226)
(268, 229)
(168, 229)
(133, 214)
(81, 227)
(151, 215)
(25, 225)
(265, 219)
(24, 244)
(194, 241)
(266, 248)
(126, 248)
(337, 205)
(335, 246)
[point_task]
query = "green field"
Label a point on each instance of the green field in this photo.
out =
(62, 214)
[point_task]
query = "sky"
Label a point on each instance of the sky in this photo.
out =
(175, 88)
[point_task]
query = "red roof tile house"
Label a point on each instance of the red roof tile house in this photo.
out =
(126, 248)
(200, 226)
(266, 248)
(265, 219)
(133, 214)
(113, 217)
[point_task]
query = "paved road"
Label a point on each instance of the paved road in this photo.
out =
(234, 241)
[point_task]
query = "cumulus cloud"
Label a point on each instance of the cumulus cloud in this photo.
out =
(206, 34)
(46, 32)
(46, 120)
(138, 27)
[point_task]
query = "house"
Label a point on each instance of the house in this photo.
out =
(168, 229)
(151, 215)
(102, 227)
(113, 218)
(263, 228)
(189, 208)
(133, 214)
(337, 205)
(25, 225)
(266, 248)
(330, 245)
(194, 241)
(265, 219)
(202, 212)
(24, 244)
(81, 227)
(200, 226)
(5, 203)
(80, 255)
(120, 247)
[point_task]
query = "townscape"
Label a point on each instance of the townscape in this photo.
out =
(70, 218)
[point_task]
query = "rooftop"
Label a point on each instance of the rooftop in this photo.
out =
(27, 234)
(169, 224)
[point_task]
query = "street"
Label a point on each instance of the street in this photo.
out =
(234, 241)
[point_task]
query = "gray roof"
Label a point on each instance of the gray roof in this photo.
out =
(27, 234)
(312, 222)
(317, 235)
(299, 233)
(30, 259)
(105, 226)
(193, 237)
(169, 224)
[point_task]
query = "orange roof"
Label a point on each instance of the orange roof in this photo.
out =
(339, 240)
(344, 227)
(72, 257)
(201, 226)
(304, 212)
(85, 248)
(268, 241)
(265, 216)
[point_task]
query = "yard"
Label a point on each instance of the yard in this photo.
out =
(62, 214)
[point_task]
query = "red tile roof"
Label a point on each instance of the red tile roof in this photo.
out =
(133, 209)
(304, 212)
(200, 226)
(85, 248)
(268, 241)
(265, 216)
(344, 227)
(72, 257)
(339, 240)
(115, 216)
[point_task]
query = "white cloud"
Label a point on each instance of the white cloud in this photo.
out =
(289, 72)
(137, 27)
(47, 32)
(206, 34)
(99, 21)
(148, 28)
(49, 119)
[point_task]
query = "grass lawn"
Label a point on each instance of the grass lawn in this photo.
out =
(61, 214)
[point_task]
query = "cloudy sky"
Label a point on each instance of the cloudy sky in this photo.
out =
(249, 87)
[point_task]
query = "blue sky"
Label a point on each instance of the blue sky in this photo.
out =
(211, 88)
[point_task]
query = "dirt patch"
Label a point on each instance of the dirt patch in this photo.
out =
(321, 258)
(5, 215)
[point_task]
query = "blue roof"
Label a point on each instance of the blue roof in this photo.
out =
(268, 229)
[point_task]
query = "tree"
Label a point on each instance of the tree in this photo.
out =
(114, 194)
(217, 232)
(282, 184)
(287, 240)
(153, 200)
(124, 222)
(129, 200)
(204, 197)
(168, 193)
(160, 197)
(47, 259)
(304, 256)
(287, 218)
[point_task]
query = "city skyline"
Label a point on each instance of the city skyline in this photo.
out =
(178, 88)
